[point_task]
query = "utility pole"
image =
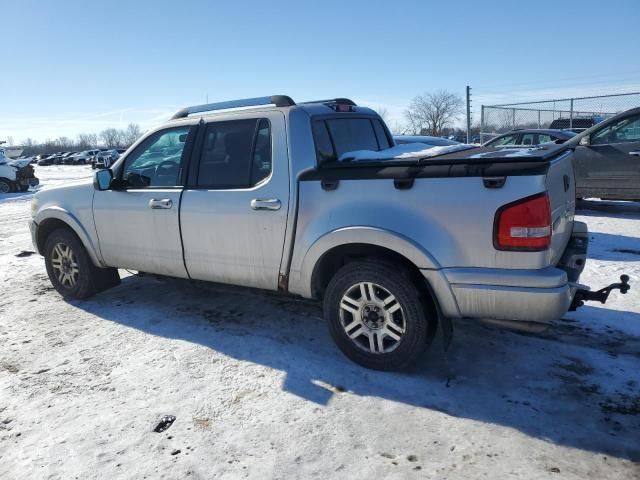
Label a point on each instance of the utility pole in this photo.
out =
(468, 114)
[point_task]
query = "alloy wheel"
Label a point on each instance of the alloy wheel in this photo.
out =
(372, 318)
(65, 265)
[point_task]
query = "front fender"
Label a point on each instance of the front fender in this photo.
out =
(300, 278)
(59, 213)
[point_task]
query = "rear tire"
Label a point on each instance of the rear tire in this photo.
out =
(377, 316)
(70, 269)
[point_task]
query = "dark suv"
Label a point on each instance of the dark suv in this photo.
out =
(607, 158)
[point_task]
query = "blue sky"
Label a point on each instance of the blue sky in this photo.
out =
(81, 66)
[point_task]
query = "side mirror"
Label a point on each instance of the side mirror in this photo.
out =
(102, 179)
(585, 141)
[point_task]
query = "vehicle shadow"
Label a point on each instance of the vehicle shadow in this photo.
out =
(574, 387)
(596, 208)
(15, 196)
(609, 246)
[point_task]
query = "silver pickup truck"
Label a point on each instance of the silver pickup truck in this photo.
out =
(271, 194)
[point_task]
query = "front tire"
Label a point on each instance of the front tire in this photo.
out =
(70, 269)
(6, 186)
(376, 315)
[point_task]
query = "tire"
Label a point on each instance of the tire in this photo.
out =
(395, 307)
(6, 186)
(71, 271)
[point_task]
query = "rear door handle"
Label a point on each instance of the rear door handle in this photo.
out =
(270, 204)
(637, 154)
(160, 203)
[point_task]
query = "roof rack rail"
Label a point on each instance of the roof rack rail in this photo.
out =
(341, 101)
(277, 100)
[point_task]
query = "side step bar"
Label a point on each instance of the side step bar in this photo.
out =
(583, 295)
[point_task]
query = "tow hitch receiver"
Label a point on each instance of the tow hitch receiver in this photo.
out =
(582, 295)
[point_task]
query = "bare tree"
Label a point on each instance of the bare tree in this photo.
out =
(63, 143)
(110, 137)
(131, 134)
(384, 113)
(430, 113)
(86, 141)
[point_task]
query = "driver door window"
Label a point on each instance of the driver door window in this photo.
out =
(624, 131)
(157, 161)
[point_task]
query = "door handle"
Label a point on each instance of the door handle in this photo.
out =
(160, 203)
(637, 154)
(270, 204)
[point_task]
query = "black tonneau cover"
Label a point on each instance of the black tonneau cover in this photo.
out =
(472, 162)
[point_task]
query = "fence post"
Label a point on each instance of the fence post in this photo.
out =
(468, 114)
(481, 122)
(571, 115)
(539, 119)
(513, 111)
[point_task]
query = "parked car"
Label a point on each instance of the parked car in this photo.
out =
(95, 157)
(576, 125)
(56, 158)
(280, 196)
(47, 160)
(106, 158)
(16, 175)
(84, 157)
(426, 139)
(67, 158)
(607, 158)
(529, 138)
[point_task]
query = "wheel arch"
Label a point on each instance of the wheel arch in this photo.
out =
(54, 218)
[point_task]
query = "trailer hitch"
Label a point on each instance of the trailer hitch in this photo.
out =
(582, 295)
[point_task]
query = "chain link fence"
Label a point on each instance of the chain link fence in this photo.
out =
(568, 113)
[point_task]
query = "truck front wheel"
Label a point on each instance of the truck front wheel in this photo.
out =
(71, 271)
(6, 186)
(376, 315)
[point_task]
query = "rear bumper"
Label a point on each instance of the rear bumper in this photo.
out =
(538, 296)
(516, 295)
(526, 304)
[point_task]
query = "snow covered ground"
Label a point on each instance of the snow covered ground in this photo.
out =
(260, 391)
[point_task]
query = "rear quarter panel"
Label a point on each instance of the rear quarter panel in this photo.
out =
(450, 218)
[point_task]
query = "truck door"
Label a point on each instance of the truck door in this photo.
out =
(234, 211)
(610, 164)
(138, 224)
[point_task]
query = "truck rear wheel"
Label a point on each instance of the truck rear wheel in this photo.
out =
(376, 316)
(71, 271)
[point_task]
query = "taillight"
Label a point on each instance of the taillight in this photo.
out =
(524, 225)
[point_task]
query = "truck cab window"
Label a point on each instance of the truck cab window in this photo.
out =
(335, 136)
(156, 162)
(235, 154)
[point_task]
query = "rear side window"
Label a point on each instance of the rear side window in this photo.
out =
(235, 154)
(383, 140)
(335, 136)
(528, 139)
(506, 140)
